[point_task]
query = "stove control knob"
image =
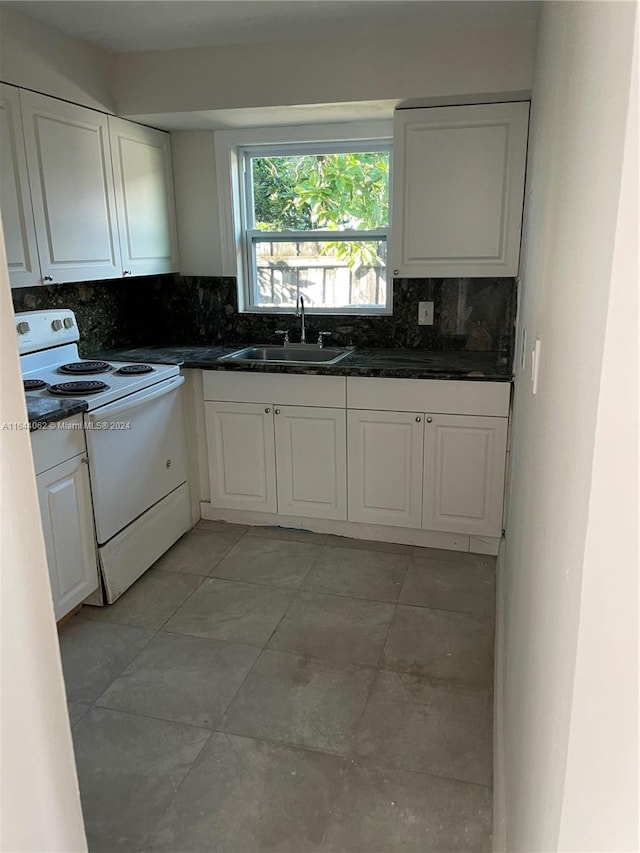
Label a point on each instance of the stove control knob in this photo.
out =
(22, 328)
(68, 322)
(56, 325)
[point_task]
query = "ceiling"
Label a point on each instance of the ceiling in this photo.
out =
(133, 25)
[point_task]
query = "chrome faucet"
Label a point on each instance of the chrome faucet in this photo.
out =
(300, 313)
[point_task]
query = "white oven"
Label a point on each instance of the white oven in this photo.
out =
(136, 454)
(135, 444)
(138, 471)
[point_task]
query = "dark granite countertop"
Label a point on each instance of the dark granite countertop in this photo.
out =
(399, 363)
(43, 411)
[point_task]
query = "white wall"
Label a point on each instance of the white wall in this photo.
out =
(39, 57)
(602, 806)
(39, 798)
(194, 172)
(560, 600)
(444, 62)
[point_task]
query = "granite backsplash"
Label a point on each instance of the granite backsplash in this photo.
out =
(469, 313)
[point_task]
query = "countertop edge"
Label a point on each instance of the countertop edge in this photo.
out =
(42, 412)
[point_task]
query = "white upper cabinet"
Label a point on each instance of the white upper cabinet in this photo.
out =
(15, 199)
(458, 188)
(144, 196)
(71, 180)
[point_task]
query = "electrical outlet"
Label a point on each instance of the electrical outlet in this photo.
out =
(425, 313)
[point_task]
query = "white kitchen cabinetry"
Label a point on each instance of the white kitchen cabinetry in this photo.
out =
(144, 198)
(464, 466)
(385, 468)
(71, 180)
(15, 199)
(311, 461)
(66, 513)
(287, 457)
(368, 457)
(458, 188)
(242, 465)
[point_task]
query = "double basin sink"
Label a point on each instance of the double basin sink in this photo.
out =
(289, 354)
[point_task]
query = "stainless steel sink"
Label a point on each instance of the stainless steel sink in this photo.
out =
(290, 354)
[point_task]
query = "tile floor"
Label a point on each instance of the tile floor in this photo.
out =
(268, 690)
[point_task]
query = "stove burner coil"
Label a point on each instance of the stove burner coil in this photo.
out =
(34, 384)
(78, 389)
(79, 368)
(134, 369)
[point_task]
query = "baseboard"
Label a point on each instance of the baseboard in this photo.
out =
(499, 786)
(356, 530)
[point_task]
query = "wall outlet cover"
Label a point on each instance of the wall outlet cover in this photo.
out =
(425, 313)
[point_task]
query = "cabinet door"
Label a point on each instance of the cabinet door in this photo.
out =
(144, 198)
(67, 523)
(385, 465)
(242, 464)
(311, 461)
(15, 198)
(458, 188)
(464, 464)
(71, 179)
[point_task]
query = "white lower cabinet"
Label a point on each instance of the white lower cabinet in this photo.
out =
(242, 463)
(464, 466)
(311, 461)
(385, 467)
(285, 459)
(363, 451)
(67, 523)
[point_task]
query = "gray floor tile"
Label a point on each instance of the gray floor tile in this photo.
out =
(232, 611)
(199, 551)
(129, 767)
(334, 628)
(381, 810)
(447, 585)
(448, 733)
(289, 534)
(94, 653)
(369, 545)
(300, 701)
(271, 561)
(149, 602)
(245, 796)
(435, 643)
(77, 710)
(186, 679)
(359, 574)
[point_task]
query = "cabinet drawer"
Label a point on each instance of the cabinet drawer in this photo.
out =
(424, 395)
(57, 443)
(285, 389)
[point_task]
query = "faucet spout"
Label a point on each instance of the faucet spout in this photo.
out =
(300, 313)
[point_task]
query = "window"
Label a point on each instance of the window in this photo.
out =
(316, 226)
(314, 222)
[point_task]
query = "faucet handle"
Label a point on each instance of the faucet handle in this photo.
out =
(286, 335)
(321, 337)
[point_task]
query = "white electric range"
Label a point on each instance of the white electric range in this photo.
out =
(135, 439)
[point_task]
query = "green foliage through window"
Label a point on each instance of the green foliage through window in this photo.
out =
(321, 191)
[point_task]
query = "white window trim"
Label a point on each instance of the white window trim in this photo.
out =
(229, 145)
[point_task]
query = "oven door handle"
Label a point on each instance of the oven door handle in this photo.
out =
(138, 398)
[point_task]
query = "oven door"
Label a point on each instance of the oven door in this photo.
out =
(137, 454)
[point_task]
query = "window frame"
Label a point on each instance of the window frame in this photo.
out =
(233, 150)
